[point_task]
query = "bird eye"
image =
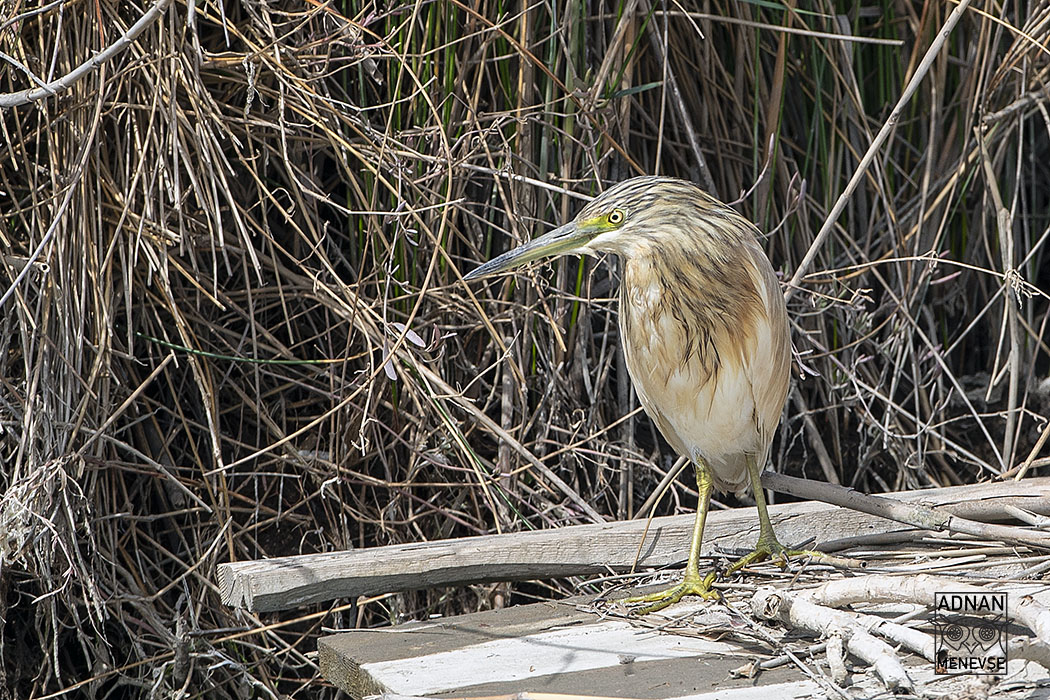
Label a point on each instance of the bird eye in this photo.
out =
(616, 217)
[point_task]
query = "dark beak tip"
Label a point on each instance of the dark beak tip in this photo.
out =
(475, 274)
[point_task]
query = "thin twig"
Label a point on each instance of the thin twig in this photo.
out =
(887, 128)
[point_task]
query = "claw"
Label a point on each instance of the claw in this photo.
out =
(690, 585)
(770, 548)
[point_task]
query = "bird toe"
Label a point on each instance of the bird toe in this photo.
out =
(690, 585)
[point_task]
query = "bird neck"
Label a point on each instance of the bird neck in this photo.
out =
(708, 294)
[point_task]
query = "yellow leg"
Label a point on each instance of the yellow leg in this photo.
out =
(768, 546)
(692, 583)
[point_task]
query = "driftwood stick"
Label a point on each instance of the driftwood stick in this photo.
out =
(800, 613)
(920, 589)
(814, 610)
(915, 514)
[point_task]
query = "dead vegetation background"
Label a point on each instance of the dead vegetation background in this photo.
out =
(233, 324)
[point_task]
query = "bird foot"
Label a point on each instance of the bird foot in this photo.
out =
(770, 548)
(692, 584)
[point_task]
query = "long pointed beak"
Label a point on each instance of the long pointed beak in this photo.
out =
(563, 239)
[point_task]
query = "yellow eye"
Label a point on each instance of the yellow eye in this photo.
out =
(616, 217)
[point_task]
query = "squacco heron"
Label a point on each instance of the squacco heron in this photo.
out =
(705, 336)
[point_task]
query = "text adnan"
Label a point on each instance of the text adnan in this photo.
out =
(972, 602)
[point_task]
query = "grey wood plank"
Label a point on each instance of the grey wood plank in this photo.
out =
(284, 582)
(470, 654)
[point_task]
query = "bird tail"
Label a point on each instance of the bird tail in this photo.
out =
(729, 473)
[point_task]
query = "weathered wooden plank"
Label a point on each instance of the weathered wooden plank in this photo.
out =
(551, 648)
(280, 583)
(799, 690)
(276, 584)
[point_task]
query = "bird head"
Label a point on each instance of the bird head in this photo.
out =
(631, 213)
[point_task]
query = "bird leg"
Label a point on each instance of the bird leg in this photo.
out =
(768, 546)
(692, 583)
